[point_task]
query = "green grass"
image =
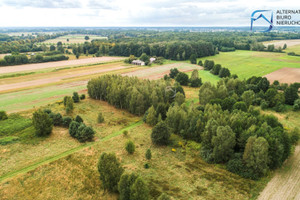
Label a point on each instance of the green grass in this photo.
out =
(252, 63)
(16, 75)
(206, 76)
(295, 49)
(13, 125)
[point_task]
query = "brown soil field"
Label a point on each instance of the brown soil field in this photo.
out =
(159, 71)
(280, 43)
(57, 64)
(286, 182)
(285, 75)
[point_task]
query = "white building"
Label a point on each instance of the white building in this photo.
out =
(138, 62)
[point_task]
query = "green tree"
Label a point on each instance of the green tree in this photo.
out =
(130, 147)
(256, 155)
(160, 134)
(179, 98)
(200, 63)
(85, 133)
(145, 58)
(291, 94)
(151, 117)
(69, 105)
(240, 105)
(206, 93)
(100, 118)
(3, 115)
(223, 144)
(110, 171)
(42, 123)
(125, 183)
(78, 119)
(148, 154)
(173, 72)
(284, 46)
(193, 59)
(139, 190)
(248, 97)
(75, 97)
(52, 48)
(216, 69)
(182, 78)
(296, 105)
(86, 37)
(224, 72)
(73, 128)
(195, 74)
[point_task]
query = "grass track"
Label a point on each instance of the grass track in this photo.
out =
(66, 153)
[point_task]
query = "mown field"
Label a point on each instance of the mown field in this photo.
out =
(251, 63)
(73, 39)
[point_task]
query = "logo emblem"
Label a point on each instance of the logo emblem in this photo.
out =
(261, 15)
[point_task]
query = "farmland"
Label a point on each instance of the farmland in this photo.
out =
(251, 63)
(73, 39)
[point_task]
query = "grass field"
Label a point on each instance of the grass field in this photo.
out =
(251, 63)
(73, 39)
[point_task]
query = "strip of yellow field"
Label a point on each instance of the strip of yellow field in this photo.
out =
(57, 64)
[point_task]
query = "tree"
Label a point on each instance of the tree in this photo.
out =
(151, 117)
(75, 97)
(248, 97)
(125, 183)
(193, 59)
(173, 72)
(179, 98)
(240, 105)
(296, 105)
(52, 48)
(224, 72)
(3, 115)
(78, 119)
(69, 105)
(56, 119)
(206, 93)
(160, 134)
(284, 46)
(66, 121)
(200, 63)
(42, 123)
(77, 55)
(216, 69)
(85, 133)
(110, 171)
(291, 94)
(145, 58)
(182, 78)
(195, 80)
(256, 155)
(195, 74)
(100, 118)
(148, 154)
(86, 37)
(73, 128)
(130, 147)
(223, 144)
(59, 43)
(139, 190)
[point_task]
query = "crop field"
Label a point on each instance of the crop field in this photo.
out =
(251, 63)
(280, 43)
(73, 39)
(159, 71)
(57, 64)
(285, 75)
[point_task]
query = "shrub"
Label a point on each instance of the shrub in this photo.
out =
(130, 147)
(224, 72)
(241, 105)
(160, 134)
(296, 105)
(65, 100)
(82, 97)
(56, 119)
(125, 132)
(148, 154)
(110, 171)
(85, 133)
(42, 123)
(100, 118)
(182, 78)
(264, 105)
(164, 196)
(200, 63)
(146, 166)
(75, 97)
(139, 190)
(73, 128)
(173, 72)
(78, 119)
(125, 183)
(48, 111)
(3, 115)
(69, 105)
(291, 94)
(66, 121)
(295, 135)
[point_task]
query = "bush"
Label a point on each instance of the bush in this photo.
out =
(200, 63)
(146, 166)
(241, 105)
(82, 97)
(160, 134)
(66, 121)
(42, 123)
(85, 133)
(78, 119)
(69, 105)
(75, 97)
(182, 78)
(100, 118)
(148, 154)
(295, 135)
(196, 82)
(73, 128)
(56, 119)
(3, 115)
(296, 105)
(173, 72)
(264, 105)
(139, 190)
(125, 132)
(125, 184)
(130, 147)
(110, 171)
(48, 111)
(224, 72)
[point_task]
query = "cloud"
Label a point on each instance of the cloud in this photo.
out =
(43, 3)
(103, 4)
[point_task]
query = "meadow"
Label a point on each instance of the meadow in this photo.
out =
(252, 63)
(73, 39)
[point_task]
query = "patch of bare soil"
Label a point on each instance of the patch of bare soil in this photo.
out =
(285, 75)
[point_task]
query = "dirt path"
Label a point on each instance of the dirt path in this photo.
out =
(286, 182)
(57, 64)
(6, 87)
(285, 75)
(66, 153)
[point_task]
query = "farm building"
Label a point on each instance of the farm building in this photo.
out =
(138, 62)
(152, 60)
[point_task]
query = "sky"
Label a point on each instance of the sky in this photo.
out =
(98, 13)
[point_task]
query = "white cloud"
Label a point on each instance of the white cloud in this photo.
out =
(134, 12)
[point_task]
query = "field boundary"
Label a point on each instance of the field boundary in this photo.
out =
(66, 153)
